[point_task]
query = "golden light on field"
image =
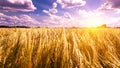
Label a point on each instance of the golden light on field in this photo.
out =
(59, 48)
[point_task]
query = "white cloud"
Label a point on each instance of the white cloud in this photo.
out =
(17, 5)
(67, 15)
(47, 12)
(54, 5)
(71, 3)
(52, 10)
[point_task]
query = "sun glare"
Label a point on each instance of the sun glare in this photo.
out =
(95, 21)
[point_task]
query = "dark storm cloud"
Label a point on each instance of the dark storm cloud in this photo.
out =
(110, 5)
(114, 3)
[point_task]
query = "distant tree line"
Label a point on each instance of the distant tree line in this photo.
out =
(14, 26)
(103, 26)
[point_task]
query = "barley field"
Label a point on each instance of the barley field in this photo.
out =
(59, 48)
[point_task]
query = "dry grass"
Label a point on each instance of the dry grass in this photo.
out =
(59, 48)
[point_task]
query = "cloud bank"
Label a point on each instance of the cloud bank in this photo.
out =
(17, 5)
(21, 20)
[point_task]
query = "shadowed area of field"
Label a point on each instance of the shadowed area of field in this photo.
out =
(59, 48)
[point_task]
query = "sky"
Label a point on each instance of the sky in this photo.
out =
(60, 13)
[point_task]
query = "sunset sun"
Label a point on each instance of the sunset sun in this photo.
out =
(94, 21)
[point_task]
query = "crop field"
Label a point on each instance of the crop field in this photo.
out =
(59, 48)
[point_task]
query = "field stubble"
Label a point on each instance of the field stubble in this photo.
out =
(59, 48)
